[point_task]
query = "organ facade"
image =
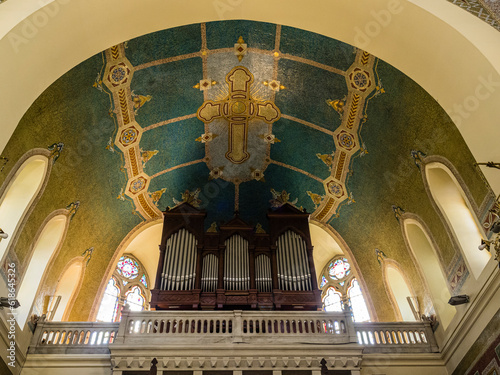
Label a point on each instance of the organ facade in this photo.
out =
(237, 266)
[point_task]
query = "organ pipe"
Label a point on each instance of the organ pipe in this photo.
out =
(179, 268)
(236, 264)
(210, 273)
(293, 269)
(263, 276)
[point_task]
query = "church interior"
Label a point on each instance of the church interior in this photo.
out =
(250, 187)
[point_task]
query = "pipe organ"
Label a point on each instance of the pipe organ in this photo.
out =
(237, 266)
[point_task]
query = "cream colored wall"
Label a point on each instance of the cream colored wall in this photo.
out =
(449, 52)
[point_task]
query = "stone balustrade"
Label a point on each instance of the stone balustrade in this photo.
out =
(171, 328)
(393, 337)
(236, 326)
(73, 337)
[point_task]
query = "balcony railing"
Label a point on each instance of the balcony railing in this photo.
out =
(393, 337)
(235, 326)
(202, 328)
(73, 337)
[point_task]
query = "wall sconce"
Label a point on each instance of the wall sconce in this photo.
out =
(9, 302)
(459, 300)
(3, 235)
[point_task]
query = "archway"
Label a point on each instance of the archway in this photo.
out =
(66, 288)
(399, 289)
(426, 257)
(19, 195)
(453, 204)
(141, 242)
(47, 243)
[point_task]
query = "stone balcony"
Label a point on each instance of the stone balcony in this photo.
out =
(230, 340)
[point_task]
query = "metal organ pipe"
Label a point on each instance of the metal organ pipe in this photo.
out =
(287, 250)
(209, 273)
(179, 269)
(306, 272)
(263, 273)
(293, 269)
(236, 264)
(279, 257)
(177, 261)
(281, 266)
(294, 263)
(297, 261)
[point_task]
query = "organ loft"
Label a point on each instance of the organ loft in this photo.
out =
(235, 266)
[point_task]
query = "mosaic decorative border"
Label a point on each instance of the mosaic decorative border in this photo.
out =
(479, 9)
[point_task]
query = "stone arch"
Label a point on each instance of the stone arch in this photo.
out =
(45, 248)
(68, 286)
(398, 287)
(458, 211)
(425, 255)
(135, 243)
(326, 239)
(20, 193)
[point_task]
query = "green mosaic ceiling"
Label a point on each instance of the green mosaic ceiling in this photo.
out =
(339, 148)
(296, 92)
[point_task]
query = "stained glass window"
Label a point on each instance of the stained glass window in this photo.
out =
(358, 305)
(135, 299)
(143, 280)
(109, 304)
(127, 267)
(124, 287)
(340, 286)
(323, 281)
(339, 269)
(332, 300)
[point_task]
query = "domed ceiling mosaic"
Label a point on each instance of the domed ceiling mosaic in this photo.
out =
(238, 116)
(226, 120)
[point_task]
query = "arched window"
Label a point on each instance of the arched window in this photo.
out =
(340, 287)
(135, 298)
(357, 302)
(399, 290)
(426, 256)
(109, 309)
(455, 208)
(66, 289)
(19, 195)
(332, 301)
(47, 243)
(129, 284)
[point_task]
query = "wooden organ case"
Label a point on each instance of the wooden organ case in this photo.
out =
(236, 267)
